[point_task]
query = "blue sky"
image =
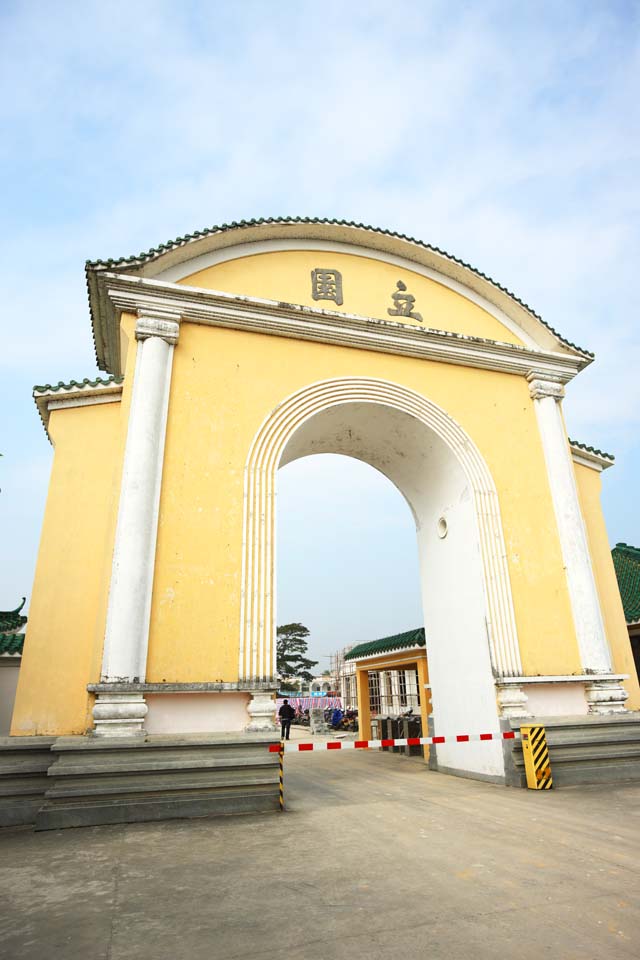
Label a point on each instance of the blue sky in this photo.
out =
(506, 134)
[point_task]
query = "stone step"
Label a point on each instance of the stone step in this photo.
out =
(24, 762)
(587, 749)
(104, 745)
(24, 786)
(95, 781)
(16, 766)
(114, 786)
(168, 807)
(117, 763)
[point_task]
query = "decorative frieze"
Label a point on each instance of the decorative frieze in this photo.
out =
(219, 309)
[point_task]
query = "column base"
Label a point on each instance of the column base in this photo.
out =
(119, 715)
(512, 701)
(262, 710)
(605, 696)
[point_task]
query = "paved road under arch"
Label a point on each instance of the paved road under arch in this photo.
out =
(375, 858)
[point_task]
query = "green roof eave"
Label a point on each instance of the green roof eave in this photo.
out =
(398, 641)
(11, 620)
(76, 384)
(44, 392)
(11, 644)
(594, 450)
(626, 562)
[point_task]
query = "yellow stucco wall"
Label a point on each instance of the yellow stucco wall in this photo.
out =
(367, 287)
(589, 488)
(61, 645)
(224, 384)
(65, 630)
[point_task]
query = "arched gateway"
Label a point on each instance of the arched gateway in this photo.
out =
(454, 502)
(239, 349)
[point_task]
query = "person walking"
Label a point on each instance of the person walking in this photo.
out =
(286, 713)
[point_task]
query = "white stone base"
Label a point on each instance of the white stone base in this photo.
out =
(605, 696)
(119, 715)
(562, 695)
(512, 701)
(262, 710)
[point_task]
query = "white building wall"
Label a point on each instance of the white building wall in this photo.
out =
(9, 670)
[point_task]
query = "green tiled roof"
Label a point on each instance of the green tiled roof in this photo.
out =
(11, 643)
(585, 446)
(139, 260)
(626, 561)
(11, 620)
(77, 384)
(399, 641)
(73, 386)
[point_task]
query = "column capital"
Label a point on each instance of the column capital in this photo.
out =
(541, 386)
(158, 323)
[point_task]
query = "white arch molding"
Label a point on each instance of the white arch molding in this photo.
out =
(258, 608)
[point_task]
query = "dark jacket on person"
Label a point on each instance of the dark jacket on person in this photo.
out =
(286, 712)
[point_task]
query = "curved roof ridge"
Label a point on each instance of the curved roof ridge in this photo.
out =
(155, 252)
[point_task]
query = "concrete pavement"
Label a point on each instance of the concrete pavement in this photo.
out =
(375, 858)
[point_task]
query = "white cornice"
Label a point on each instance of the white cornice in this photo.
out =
(78, 395)
(586, 458)
(563, 678)
(212, 307)
(191, 253)
(214, 257)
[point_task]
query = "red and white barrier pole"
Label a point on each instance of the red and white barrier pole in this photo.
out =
(407, 742)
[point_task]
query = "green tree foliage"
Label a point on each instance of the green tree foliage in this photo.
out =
(291, 647)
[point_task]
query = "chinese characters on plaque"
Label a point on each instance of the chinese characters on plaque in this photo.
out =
(327, 285)
(403, 303)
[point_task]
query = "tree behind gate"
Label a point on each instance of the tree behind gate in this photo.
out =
(291, 647)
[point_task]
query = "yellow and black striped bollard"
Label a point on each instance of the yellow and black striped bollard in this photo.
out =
(281, 774)
(536, 757)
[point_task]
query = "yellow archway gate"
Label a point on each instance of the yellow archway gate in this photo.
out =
(236, 350)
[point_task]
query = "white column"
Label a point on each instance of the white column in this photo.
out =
(583, 593)
(129, 609)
